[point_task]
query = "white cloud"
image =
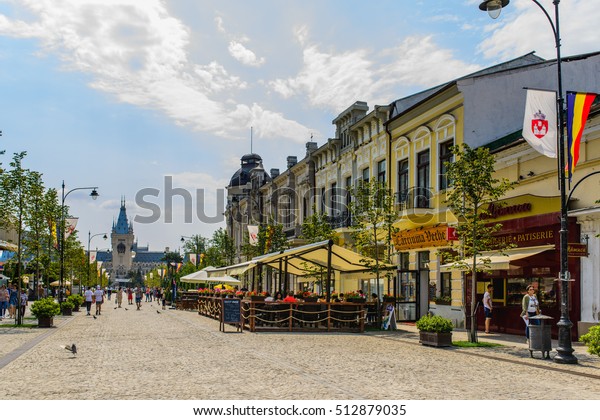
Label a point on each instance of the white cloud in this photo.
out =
(335, 80)
(138, 52)
(523, 28)
(244, 55)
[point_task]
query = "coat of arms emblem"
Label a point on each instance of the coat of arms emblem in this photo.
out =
(539, 124)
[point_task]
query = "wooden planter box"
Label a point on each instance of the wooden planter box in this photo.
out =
(45, 322)
(76, 308)
(311, 299)
(435, 339)
(67, 311)
(258, 298)
(389, 300)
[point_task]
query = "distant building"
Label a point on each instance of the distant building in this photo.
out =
(126, 256)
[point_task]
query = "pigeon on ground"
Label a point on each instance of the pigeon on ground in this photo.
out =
(72, 348)
(116, 307)
(157, 311)
(126, 309)
(94, 316)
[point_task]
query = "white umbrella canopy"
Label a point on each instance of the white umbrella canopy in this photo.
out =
(202, 277)
(57, 283)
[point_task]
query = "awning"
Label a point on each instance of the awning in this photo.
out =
(492, 260)
(8, 246)
(317, 255)
(201, 277)
(312, 256)
(232, 270)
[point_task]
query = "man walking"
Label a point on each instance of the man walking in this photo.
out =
(89, 298)
(99, 296)
(487, 307)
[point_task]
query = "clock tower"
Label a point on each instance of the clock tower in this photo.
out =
(122, 244)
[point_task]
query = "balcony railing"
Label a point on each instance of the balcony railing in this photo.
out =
(343, 219)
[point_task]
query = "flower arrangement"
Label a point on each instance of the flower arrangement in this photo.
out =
(239, 294)
(309, 294)
(352, 295)
(255, 293)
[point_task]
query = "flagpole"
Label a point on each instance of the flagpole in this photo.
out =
(565, 347)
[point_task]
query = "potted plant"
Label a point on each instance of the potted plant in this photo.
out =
(592, 340)
(355, 297)
(310, 297)
(435, 330)
(257, 296)
(77, 301)
(389, 298)
(45, 310)
(442, 300)
(66, 307)
(239, 294)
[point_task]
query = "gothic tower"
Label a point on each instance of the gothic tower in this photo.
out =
(122, 244)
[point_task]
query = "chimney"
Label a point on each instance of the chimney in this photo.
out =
(274, 173)
(311, 146)
(291, 161)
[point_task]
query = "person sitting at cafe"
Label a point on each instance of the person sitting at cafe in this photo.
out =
(268, 297)
(278, 296)
(290, 298)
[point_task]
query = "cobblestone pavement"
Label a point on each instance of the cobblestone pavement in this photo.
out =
(145, 355)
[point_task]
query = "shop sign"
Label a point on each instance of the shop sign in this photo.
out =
(522, 206)
(529, 237)
(577, 250)
(422, 238)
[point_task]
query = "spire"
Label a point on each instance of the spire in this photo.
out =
(123, 226)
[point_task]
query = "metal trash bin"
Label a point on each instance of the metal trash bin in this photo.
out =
(540, 338)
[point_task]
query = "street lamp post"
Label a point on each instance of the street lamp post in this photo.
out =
(94, 194)
(90, 237)
(565, 348)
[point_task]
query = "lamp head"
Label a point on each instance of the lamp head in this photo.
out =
(94, 194)
(493, 7)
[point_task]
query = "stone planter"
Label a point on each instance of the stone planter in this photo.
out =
(435, 339)
(45, 322)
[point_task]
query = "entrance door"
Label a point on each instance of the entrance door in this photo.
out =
(413, 301)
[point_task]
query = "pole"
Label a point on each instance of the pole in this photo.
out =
(565, 348)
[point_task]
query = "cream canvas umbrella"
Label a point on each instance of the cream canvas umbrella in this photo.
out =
(57, 283)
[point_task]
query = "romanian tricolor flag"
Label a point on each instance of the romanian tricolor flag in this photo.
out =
(578, 108)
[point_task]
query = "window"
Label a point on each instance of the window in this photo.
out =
(446, 157)
(365, 175)
(402, 181)
(445, 286)
(333, 199)
(404, 261)
(423, 260)
(348, 196)
(381, 171)
(322, 200)
(422, 193)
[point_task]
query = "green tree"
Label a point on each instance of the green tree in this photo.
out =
(373, 215)
(316, 228)
(473, 188)
(17, 185)
(196, 244)
(221, 250)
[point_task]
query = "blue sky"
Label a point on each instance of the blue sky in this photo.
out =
(120, 94)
